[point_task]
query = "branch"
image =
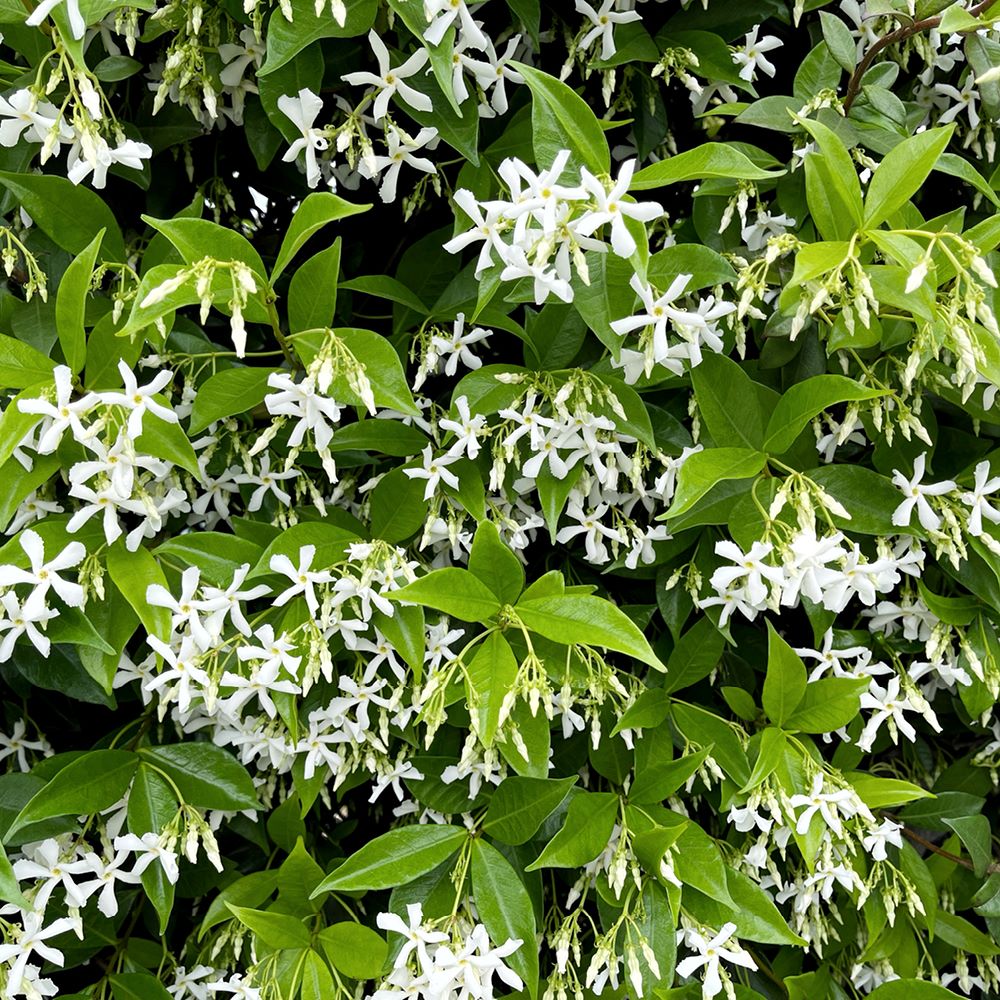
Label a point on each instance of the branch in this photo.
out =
(899, 35)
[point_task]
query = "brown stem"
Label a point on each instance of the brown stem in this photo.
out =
(854, 84)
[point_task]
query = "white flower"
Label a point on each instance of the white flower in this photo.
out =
(767, 225)
(609, 207)
(62, 415)
(916, 496)
(31, 940)
(828, 804)
(302, 111)
(486, 229)
(711, 952)
(138, 400)
(976, 500)
(29, 119)
(76, 22)
(44, 575)
(888, 706)
(658, 313)
(24, 619)
(266, 482)
(315, 412)
(149, 848)
(875, 841)
(304, 578)
(750, 57)
(389, 80)
(401, 148)
(434, 470)
(442, 14)
(749, 568)
(182, 672)
(456, 347)
(603, 21)
(417, 935)
(467, 430)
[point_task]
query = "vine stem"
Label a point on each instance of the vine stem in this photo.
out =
(991, 869)
(906, 31)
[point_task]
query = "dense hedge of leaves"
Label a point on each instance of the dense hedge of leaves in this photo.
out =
(500, 499)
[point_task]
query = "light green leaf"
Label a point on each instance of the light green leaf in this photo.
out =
(232, 391)
(713, 159)
(287, 36)
(395, 858)
(704, 469)
(805, 400)
(22, 365)
(456, 592)
(89, 784)
(488, 679)
(561, 119)
(276, 930)
(354, 949)
(505, 908)
(591, 621)
(133, 572)
(495, 564)
(318, 209)
(71, 303)
(585, 833)
(785, 681)
(902, 171)
(519, 806)
(312, 293)
(207, 776)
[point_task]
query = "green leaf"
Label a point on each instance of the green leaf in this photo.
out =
(355, 950)
(561, 119)
(312, 292)
(89, 784)
(288, 36)
(395, 858)
(656, 929)
(695, 655)
(381, 364)
(495, 564)
(196, 239)
(276, 930)
(331, 543)
(713, 159)
(71, 303)
(167, 440)
(151, 806)
(902, 171)
(805, 400)
(730, 402)
(657, 776)
(827, 704)
(489, 678)
(591, 621)
(519, 806)
(232, 391)
(505, 908)
(769, 753)
(456, 592)
(833, 190)
(317, 980)
(705, 469)
(318, 209)
(9, 890)
(785, 682)
(137, 986)
(882, 793)
(868, 497)
(584, 834)
(22, 365)
(755, 915)
(217, 555)
(69, 214)
(207, 776)
(133, 572)
(383, 286)
(840, 41)
(975, 832)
